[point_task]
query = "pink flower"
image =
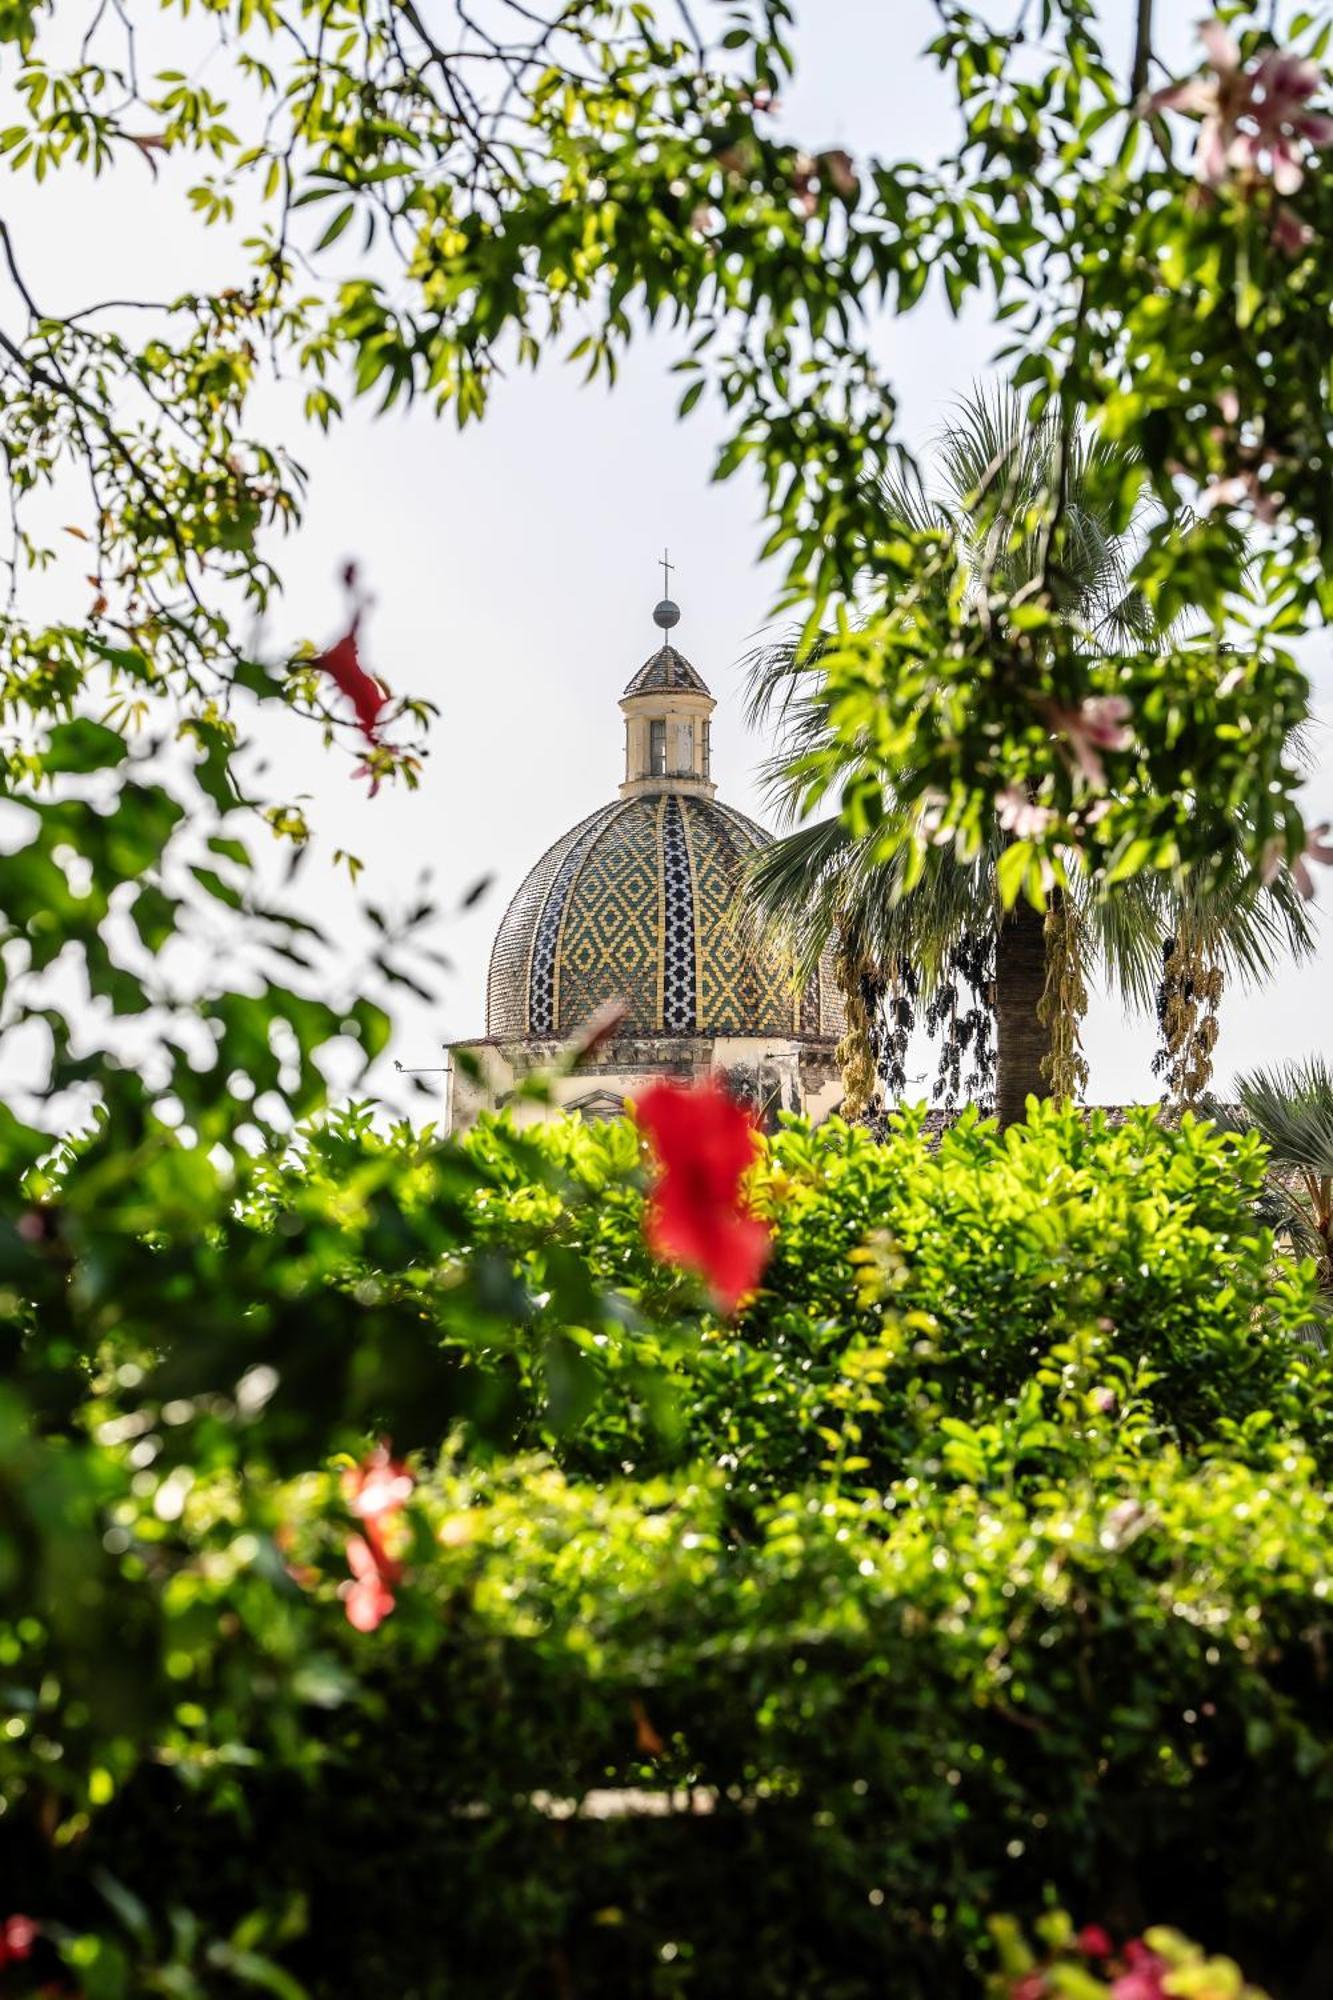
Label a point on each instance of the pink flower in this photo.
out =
(1101, 722)
(1290, 234)
(1143, 1980)
(1219, 103)
(1094, 1942)
(1284, 84)
(1253, 122)
(1022, 816)
(367, 1597)
(930, 819)
(379, 1485)
(838, 170)
(1247, 487)
(376, 1491)
(1316, 848)
(1138, 1986)
(17, 1938)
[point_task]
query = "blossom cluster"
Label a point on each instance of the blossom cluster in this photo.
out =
(704, 1143)
(1158, 1966)
(377, 1490)
(1256, 121)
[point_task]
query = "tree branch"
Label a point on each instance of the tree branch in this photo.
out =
(1138, 75)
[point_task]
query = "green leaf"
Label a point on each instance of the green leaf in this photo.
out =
(1010, 870)
(337, 226)
(84, 745)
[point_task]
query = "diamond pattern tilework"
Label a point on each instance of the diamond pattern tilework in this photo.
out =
(810, 1004)
(638, 902)
(678, 968)
(754, 834)
(742, 991)
(542, 974)
(821, 1009)
(832, 1010)
(609, 945)
(507, 984)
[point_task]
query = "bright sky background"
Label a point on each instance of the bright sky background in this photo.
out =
(514, 566)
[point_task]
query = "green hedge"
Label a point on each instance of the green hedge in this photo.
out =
(982, 1562)
(909, 1714)
(976, 1259)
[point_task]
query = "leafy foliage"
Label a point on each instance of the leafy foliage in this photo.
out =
(1291, 1109)
(946, 1571)
(988, 1554)
(927, 911)
(531, 179)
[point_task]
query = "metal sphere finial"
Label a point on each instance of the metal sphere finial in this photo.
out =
(666, 614)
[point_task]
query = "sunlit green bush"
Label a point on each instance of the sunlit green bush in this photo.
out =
(982, 1559)
(1120, 1263)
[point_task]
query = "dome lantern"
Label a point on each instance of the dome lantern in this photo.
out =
(667, 710)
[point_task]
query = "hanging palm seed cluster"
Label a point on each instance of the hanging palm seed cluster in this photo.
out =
(895, 1029)
(1064, 1000)
(1187, 1003)
(961, 1012)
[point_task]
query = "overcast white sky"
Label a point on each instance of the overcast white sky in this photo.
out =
(514, 566)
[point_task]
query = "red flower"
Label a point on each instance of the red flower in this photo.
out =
(377, 1490)
(704, 1143)
(367, 1597)
(1094, 1942)
(342, 663)
(17, 1937)
(380, 1485)
(1143, 1981)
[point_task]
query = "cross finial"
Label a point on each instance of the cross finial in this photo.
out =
(666, 614)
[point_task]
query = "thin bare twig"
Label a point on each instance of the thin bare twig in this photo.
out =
(1138, 74)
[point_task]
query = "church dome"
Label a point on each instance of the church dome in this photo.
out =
(639, 903)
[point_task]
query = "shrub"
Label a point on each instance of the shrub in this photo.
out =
(983, 1558)
(902, 1716)
(1121, 1260)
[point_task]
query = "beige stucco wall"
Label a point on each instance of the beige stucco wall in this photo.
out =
(684, 713)
(772, 1074)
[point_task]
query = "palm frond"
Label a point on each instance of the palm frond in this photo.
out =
(1291, 1107)
(1246, 928)
(1001, 472)
(818, 880)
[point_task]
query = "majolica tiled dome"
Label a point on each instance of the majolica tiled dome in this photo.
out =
(639, 903)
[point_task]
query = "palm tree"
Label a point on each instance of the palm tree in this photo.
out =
(900, 941)
(1291, 1108)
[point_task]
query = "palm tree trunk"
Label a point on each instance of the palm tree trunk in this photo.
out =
(1022, 1040)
